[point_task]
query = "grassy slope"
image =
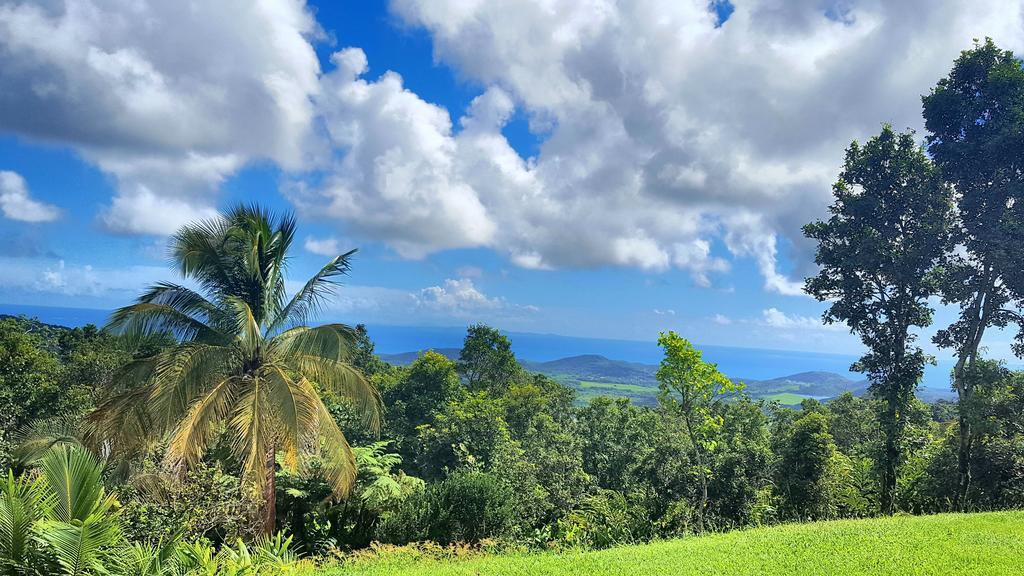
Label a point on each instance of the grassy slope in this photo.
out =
(786, 398)
(990, 544)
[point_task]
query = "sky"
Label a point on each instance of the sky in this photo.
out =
(576, 167)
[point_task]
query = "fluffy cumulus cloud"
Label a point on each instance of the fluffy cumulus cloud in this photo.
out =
(460, 298)
(665, 132)
(17, 204)
(170, 98)
(668, 139)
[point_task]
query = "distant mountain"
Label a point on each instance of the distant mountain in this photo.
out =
(595, 375)
(594, 367)
(820, 385)
(406, 358)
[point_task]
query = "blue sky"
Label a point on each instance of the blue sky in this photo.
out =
(589, 169)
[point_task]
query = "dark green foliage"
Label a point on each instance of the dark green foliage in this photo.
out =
(468, 431)
(205, 504)
(605, 519)
(975, 119)
(486, 361)
(617, 437)
(805, 478)
(416, 394)
(853, 423)
(741, 483)
(30, 377)
(889, 228)
(465, 507)
(380, 489)
(995, 413)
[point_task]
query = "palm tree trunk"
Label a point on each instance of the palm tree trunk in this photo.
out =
(268, 516)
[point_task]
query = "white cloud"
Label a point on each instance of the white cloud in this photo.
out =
(170, 98)
(775, 318)
(721, 319)
(17, 204)
(668, 142)
(106, 286)
(664, 312)
(664, 130)
(458, 297)
(398, 180)
(409, 178)
(451, 301)
(323, 246)
(469, 272)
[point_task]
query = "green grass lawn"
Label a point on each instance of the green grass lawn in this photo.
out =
(949, 544)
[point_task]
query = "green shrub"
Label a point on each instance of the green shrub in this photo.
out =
(466, 507)
(608, 519)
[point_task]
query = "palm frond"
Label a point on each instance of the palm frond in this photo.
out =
(312, 296)
(80, 548)
(184, 374)
(193, 434)
(297, 412)
(247, 327)
(36, 439)
(197, 251)
(185, 300)
(165, 558)
(122, 425)
(339, 462)
(329, 341)
(21, 502)
(139, 321)
(345, 381)
(74, 477)
(76, 523)
(253, 431)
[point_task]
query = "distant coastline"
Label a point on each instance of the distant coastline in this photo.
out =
(752, 363)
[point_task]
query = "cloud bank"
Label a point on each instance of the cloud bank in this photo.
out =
(668, 139)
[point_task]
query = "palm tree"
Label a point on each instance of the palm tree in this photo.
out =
(60, 521)
(244, 364)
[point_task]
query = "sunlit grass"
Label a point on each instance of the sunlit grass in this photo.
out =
(947, 544)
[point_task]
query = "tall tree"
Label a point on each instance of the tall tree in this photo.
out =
(486, 360)
(889, 227)
(690, 387)
(975, 117)
(244, 363)
(804, 482)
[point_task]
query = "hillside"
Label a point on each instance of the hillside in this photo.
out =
(597, 368)
(595, 375)
(406, 358)
(949, 544)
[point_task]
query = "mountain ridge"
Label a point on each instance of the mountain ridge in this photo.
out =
(595, 375)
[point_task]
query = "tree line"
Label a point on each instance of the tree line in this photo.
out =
(913, 225)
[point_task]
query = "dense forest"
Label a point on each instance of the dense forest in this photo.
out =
(209, 427)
